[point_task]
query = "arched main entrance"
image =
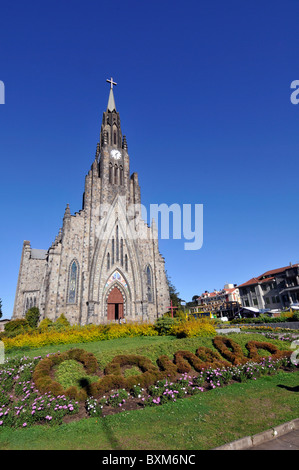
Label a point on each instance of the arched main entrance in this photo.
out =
(115, 305)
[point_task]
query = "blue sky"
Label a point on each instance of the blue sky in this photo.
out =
(204, 99)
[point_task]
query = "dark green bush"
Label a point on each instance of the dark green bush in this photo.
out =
(32, 316)
(61, 323)
(295, 316)
(16, 327)
(45, 324)
(163, 325)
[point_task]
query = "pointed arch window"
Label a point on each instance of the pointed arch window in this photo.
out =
(110, 173)
(126, 262)
(117, 244)
(73, 282)
(121, 252)
(149, 284)
(107, 135)
(108, 261)
(112, 255)
(116, 174)
(121, 175)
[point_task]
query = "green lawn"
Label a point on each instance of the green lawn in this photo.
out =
(202, 422)
(149, 346)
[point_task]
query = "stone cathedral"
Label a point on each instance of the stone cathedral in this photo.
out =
(104, 264)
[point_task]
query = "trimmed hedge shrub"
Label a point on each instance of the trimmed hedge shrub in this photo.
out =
(186, 360)
(229, 349)
(42, 373)
(115, 366)
(211, 358)
(183, 362)
(254, 346)
(167, 366)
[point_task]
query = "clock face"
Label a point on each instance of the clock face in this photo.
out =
(115, 154)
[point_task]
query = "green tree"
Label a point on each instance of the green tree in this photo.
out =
(193, 303)
(174, 295)
(32, 316)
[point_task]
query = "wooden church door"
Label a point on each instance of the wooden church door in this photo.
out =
(115, 305)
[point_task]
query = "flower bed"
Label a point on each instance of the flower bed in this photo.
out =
(185, 385)
(22, 404)
(31, 394)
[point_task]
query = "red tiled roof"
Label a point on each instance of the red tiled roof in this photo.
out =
(259, 280)
(221, 292)
(252, 281)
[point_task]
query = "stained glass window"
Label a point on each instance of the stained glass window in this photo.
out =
(73, 283)
(112, 257)
(117, 244)
(149, 284)
(121, 252)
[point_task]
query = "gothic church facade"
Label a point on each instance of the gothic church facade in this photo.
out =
(104, 264)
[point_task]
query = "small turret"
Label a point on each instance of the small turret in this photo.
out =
(67, 213)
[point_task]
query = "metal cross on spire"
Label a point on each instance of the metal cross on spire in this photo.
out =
(111, 82)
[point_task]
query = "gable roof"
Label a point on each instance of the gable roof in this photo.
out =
(267, 276)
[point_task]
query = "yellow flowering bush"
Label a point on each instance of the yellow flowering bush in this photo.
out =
(192, 328)
(45, 335)
(78, 334)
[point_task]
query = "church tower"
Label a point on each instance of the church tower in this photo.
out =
(104, 264)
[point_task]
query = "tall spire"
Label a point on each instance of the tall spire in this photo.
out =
(111, 102)
(110, 130)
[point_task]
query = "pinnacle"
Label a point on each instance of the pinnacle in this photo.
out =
(111, 102)
(67, 211)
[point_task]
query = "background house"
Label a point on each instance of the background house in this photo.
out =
(277, 289)
(225, 302)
